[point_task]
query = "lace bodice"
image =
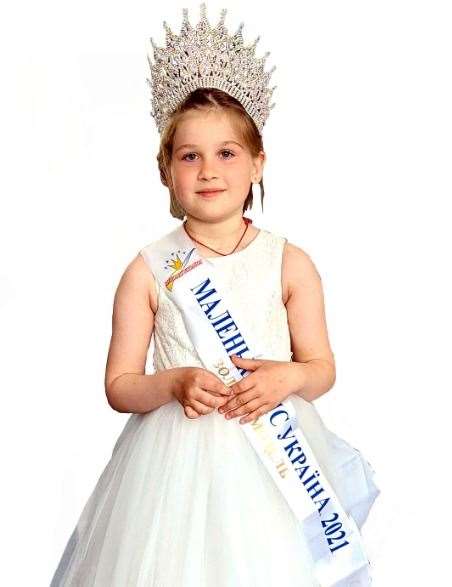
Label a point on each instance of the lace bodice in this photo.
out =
(251, 278)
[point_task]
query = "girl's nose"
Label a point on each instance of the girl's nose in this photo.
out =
(207, 171)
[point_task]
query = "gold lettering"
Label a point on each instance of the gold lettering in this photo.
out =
(224, 373)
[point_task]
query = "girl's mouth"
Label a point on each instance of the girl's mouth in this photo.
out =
(210, 194)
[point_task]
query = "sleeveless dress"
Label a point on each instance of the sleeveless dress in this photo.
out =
(187, 502)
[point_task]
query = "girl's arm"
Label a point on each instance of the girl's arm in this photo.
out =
(127, 387)
(310, 344)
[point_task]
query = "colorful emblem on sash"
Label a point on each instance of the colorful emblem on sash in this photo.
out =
(179, 265)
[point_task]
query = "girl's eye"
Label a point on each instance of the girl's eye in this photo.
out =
(230, 152)
(223, 151)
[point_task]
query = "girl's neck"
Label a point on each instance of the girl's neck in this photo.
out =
(220, 232)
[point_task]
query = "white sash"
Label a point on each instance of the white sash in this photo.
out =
(332, 535)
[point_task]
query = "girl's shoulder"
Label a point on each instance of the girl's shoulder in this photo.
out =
(297, 265)
(298, 269)
(139, 276)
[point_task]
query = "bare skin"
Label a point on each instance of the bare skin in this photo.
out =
(136, 304)
(202, 159)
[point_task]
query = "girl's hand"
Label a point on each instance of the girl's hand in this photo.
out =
(259, 392)
(199, 391)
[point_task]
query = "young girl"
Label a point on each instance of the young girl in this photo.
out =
(188, 499)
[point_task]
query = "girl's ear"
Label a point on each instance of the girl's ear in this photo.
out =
(258, 167)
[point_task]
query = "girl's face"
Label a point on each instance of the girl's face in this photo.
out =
(209, 154)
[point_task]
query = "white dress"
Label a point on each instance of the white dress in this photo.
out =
(187, 502)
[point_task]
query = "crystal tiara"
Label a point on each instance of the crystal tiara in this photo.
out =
(206, 57)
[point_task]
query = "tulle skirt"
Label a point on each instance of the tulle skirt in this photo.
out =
(188, 503)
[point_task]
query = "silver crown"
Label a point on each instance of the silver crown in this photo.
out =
(205, 57)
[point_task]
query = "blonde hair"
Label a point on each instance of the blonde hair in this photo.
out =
(207, 98)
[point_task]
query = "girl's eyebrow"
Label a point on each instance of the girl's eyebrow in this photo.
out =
(190, 146)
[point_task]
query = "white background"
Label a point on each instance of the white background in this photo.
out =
(358, 175)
